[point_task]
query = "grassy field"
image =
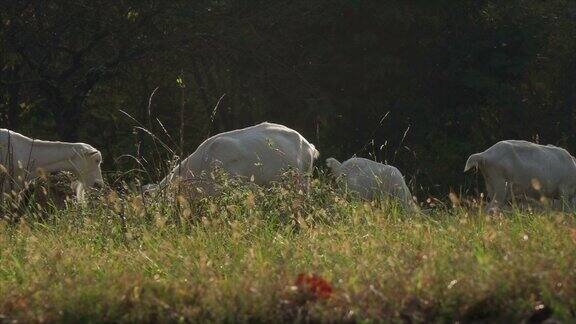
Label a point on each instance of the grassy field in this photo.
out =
(238, 257)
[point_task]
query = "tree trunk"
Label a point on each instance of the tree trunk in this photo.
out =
(12, 103)
(13, 107)
(67, 118)
(66, 113)
(200, 84)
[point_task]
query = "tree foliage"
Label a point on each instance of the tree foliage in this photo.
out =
(419, 84)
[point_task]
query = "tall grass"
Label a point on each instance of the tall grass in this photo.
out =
(236, 257)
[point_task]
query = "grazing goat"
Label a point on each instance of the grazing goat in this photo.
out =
(371, 179)
(261, 153)
(22, 159)
(522, 169)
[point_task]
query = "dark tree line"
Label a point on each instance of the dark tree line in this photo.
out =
(420, 84)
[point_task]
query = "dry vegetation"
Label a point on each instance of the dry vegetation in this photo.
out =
(251, 255)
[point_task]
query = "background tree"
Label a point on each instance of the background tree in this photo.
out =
(418, 84)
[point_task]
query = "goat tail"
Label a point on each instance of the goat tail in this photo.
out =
(315, 153)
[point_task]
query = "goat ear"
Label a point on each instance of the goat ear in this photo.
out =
(92, 154)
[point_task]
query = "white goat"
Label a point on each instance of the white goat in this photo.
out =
(22, 159)
(523, 169)
(371, 179)
(261, 152)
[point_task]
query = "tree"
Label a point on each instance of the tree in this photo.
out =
(59, 51)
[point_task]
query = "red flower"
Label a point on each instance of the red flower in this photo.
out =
(315, 285)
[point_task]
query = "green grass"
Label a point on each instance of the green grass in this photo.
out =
(236, 258)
